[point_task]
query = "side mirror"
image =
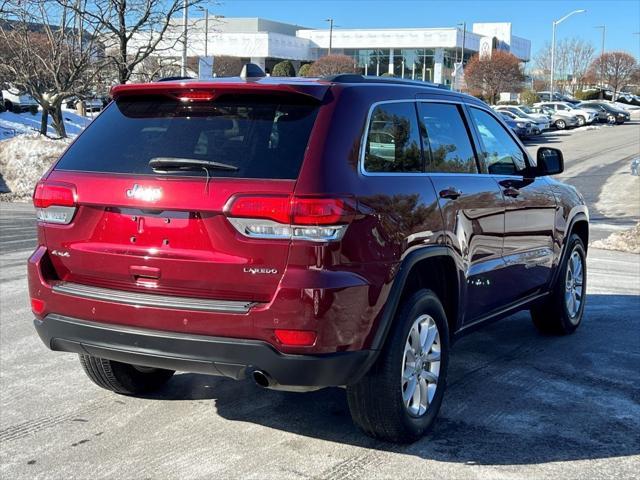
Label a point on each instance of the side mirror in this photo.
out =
(550, 162)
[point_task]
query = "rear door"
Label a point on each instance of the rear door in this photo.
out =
(165, 232)
(472, 205)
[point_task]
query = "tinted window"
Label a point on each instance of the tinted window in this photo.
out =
(393, 142)
(502, 154)
(446, 138)
(262, 137)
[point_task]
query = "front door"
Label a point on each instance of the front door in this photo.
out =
(530, 209)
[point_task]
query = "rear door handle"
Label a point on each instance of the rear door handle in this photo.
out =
(511, 192)
(450, 193)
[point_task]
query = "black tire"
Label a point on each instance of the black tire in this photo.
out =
(122, 377)
(376, 401)
(560, 124)
(552, 316)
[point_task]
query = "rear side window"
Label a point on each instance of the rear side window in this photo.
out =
(263, 137)
(446, 139)
(393, 141)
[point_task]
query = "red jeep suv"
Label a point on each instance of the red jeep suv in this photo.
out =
(304, 233)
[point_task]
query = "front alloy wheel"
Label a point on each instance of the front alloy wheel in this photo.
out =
(561, 125)
(574, 283)
(581, 121)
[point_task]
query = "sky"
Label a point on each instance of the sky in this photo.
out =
(531, 19)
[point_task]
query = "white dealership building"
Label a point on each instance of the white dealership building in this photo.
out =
(418, 53)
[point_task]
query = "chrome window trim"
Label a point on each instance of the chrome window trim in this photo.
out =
(363, 141)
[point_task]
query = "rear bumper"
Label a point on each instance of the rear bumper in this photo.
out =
(227, 357)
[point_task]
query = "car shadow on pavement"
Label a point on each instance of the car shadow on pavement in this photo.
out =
(514, 396)
(545, 139)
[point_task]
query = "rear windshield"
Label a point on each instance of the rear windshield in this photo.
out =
(263, 137)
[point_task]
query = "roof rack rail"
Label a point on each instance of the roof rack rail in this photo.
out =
(357, 78)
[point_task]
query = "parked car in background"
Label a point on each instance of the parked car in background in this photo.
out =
(540, 120)
(606, 111)
(16, 101)
(524, 127)
(91, 104)
(585, 117)
(559, 119)
(557, 97)
(177, 233)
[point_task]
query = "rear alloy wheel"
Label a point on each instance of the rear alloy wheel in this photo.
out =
(399, 398)
(562, 312)
(560, 124)
(122, 377)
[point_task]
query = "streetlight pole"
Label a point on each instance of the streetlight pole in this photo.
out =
(206, 29)
(604, 29)
(553, 47)
(183, 65)
(330, 20)
(464, 35)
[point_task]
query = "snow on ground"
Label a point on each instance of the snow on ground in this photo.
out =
(24, 159)
(12, 124)
(625, 241)
(25, 154)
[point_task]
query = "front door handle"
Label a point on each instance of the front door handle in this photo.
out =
(511, 192)
(450, 193)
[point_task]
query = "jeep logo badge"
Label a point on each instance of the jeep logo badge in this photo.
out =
(148, 194)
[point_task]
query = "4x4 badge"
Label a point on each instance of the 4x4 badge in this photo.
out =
(148, 194)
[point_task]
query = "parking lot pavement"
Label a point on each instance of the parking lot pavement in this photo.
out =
(519, 404)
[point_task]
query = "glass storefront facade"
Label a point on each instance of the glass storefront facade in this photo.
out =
(414, 64)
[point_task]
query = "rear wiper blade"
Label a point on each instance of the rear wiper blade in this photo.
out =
(174, 163)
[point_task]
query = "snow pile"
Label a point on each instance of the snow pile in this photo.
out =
(13, 124)
(24, 159)
(624, 241)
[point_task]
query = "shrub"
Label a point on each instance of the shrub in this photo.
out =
(283, 69)
(529, 97)
(332, 65)
(587, 95)
(304, 70)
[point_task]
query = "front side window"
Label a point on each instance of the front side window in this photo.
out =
(445, 138)
(502, 155)
(393, 141)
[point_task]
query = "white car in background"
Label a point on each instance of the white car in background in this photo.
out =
(17, 101)
(585, 117)
(539, 119)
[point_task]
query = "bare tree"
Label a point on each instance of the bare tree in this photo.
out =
(225, 66)
(134, 30)
(616, 69)
(48, 55)
(332, 65)
(490, 76)
(572, 59)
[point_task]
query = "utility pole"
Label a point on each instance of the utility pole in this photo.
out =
(553, 47)
(184, 38)
(330, 20)
(604, 29)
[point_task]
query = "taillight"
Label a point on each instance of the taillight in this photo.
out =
(55, 202)
(316, 219)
